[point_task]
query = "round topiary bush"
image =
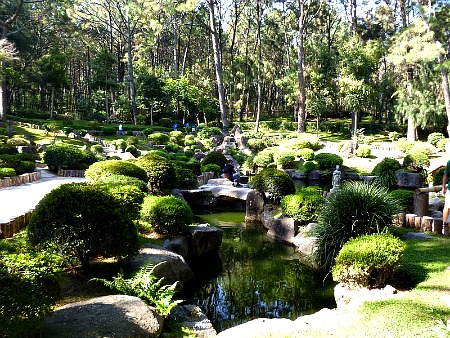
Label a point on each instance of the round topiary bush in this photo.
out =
(18, 141)
(328, 160)
(132, 141)
(434, 138)
(133, 150)
(368, 261)
(211, 168)
(276, 183)
(25, 167)
(441, 144)
(404, 145)
(306, 154)
(159, 138)
(416, 161)
(354, 209)
(405, 199)
(97, 149)
(284, 159)
(117, 179)
(167, 215)
(309, 166)
(83, 221)
(102, 169)
(8, 149)
(160, 172)
(214, 157)
(363, 151)
(263, 160)
(64, 156)
(304, 206)
(385, 170)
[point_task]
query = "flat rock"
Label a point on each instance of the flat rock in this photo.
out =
(416, 235)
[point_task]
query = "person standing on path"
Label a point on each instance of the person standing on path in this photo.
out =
(446, 192)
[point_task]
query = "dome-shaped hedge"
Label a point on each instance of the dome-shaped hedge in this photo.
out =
(214, 157)
(160, 172)
(112, 167)
(276, 183)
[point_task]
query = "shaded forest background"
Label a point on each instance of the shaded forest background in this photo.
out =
(137, 61)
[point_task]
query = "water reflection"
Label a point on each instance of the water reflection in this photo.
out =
(253, 277)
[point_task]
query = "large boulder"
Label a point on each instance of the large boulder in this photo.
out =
(178, 244)
(192, 317)
(108, 316)
(409, 180)
(254, 208)
(203, 239)
(174, 269)
(284, 229)
(305, 243)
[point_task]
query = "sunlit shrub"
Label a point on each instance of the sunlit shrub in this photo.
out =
(103, 169)
(304, 206)
(276, 183)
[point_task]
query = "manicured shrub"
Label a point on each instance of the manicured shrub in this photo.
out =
(276, 183)
(7, 172)
(172, 148)
(263, 160)
(63, 156)
(212, 168)
(8, 149)
(194, 165)
(309, 166)
(119, 144)
(18, 141)
(188, 153)
(423, 147)
(103, 169)
(108, 131)
(285, 159)
(185, 178)
(133, 150)
(354, 209)
(404, 145)
(304, 206)
(160, 152)
(259, 144)
(167, 215)
(83, 221)
(132, 141)
(25, 167)
(130, 196)
(368, 261)
(29, 290)
(405, 199)
(214, 157)
(302, 143)
(416, 161)
(177, 137)
(159, 138)
(116, 179)
(207, 132)
(160, 171)
(363, 151)
(97, 149)
(189, 140)
(306, 154)
(328, 160)
(441, 144)
(385, 170)
(434, 138)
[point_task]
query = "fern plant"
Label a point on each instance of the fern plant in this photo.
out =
(145, 285)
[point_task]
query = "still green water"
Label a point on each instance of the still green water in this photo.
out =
(253, 276)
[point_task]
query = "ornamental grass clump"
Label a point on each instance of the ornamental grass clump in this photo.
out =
(368, 261)
(304, 206)
(385, 172)
(354, 209)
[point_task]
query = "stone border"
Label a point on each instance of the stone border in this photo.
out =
(9, 229)
(70, 173)
(21, 179)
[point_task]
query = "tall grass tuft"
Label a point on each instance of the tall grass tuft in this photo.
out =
(355, 209)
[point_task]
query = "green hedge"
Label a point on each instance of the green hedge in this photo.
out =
(65, 156)
(161, 173)
(113, 167)
(276, 183)
(214, 157)
(328, 160)
(304, 206)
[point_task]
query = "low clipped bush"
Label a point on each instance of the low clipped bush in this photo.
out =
(159, 138)
(64, 156)
(130, 196)
(102, 169)
(442, 143)
(354, 209)
(434, 138)
(214, 157)
(160, 152)
(167, 215)
(24, 167)
(363, 151)
(207, 132)
(160, 172)
(119, 144)
(416, 161)
(368, 261)
(404, 145)
(83, 221)
(18, 141)
(263, 160)
(7, 172)
(276, 183)
(177, 137)
(211, 168)
(194, 165)
(108, 131)
(385, 171)
(405, 199)
(8, 149)
(185, 178)
(301, 143)
(304, 206)
(172, 148)
(259, 144)
(306, 154)
(97, 149)
(189, 140)
(29, 290)
(309, 166)
(423, 147)
(284, 159)
(132, 141)
(133, 150)
(328, 160)
(117, 179)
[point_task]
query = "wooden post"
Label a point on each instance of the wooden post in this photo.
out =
(437, 226)
(421, 204)
(445, 230)
(418, 222)
(399, 219)
(427, 223)
(410, 220)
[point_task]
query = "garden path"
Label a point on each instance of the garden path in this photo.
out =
(16, 201)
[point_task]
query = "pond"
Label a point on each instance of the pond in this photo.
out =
(253, 276)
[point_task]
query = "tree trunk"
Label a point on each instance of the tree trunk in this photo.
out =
(2, 97)
(446, 90)
(130, 73)
(52, 102)
(300, 72)
(258, 113)
(217, 64)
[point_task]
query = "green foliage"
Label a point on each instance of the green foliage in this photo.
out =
(438, 175)
(276, 183)
(423, 147)
(434, 138)
(131, 196)
(25, 167)
(119, 144)
(18, 141)
(404, 145)
(103, 169)
(306, 154)
(368, 261)
(97, 149)
(189, 140)
(416, 161)
(7, 172)
(118, 179)
(63, 156)
(212, 168)
(167, 215)
(441, 144)
(132, 141)
(8, 149)
(304, 206)
(263, 160)
(160, 171)
(259, 144)
(145, 285)
(159, 138)
(309, 166)
(302, 143)
(108, 131)
(83, 221)
(194, 165)
(385, 170)
(405, 199)
(363, 151)
(185, 178)
(133, 150)
(160, 152)
(177, 137)
(354, 209)
(328, 160)
(285, 159)
(29, 289)
(214, 157)
(207, 132)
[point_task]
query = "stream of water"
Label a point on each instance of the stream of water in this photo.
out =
(253, 276)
